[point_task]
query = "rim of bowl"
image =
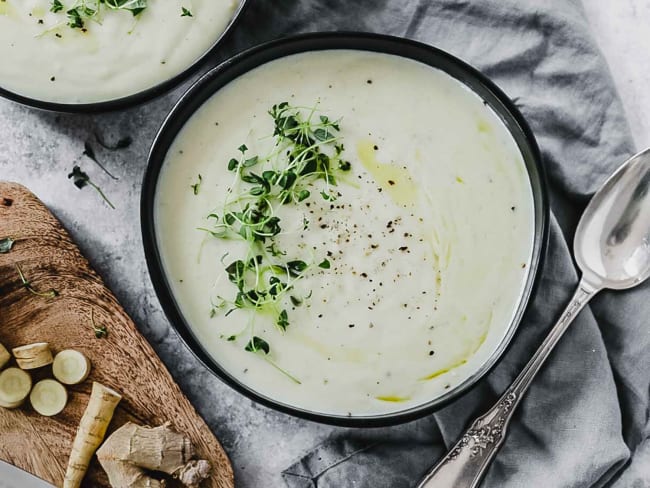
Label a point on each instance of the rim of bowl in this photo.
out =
(135, 99)
(243, 62)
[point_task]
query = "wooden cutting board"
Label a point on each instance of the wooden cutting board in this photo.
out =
(123, 361)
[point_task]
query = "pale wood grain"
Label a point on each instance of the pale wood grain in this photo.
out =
(123, 361)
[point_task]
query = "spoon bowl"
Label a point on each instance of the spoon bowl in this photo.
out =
(612, 243)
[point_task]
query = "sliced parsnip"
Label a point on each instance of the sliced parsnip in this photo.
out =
(70, 367)
(33, 356)
(48, 397)
(90, 434)
(15, 385)
(4, 356)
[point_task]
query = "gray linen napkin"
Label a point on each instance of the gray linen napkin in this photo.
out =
(584, 422)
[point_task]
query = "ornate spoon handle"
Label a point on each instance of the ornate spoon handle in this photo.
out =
(466, 463)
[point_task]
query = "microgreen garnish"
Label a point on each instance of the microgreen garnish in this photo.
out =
(81, 179)
(6, 244)
(305, 163)
(185, 12)
(89, 152)
(85, 10)
(100, 330)
(259, 345)
(56, 6)
(75, 20)
(197, 186)
(51, 293)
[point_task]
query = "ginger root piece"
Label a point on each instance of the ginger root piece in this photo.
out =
(132, 450)
(33, 356)
(48, 397)
(70, 367)
(90, 434)
(15, 385)
(4, 356)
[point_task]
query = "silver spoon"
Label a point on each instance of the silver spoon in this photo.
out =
(612, 249)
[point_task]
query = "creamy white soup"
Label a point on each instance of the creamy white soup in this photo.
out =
(83, 51)
(414, 262)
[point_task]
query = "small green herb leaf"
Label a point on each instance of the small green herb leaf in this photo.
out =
(197, 186)
(74, 18)
(81, 180)
(56, 6)
(296, 267)
(321, 134)
(134, 6)
(236, 271)
(185, 12)
(250, 162)
(283, 320)
(325, 264)
(6, 244)
(258, 344)
(100, 330)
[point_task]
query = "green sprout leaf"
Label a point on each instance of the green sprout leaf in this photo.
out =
(81, 180)
(56, 6)
(296, 267)
(283, 320)
(74, 18)
(101, 332)
(257, 344)
(51, 293)
(6, 244)
(197, 186)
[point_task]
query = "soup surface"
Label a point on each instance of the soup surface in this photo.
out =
(414, 262)
(58, 52)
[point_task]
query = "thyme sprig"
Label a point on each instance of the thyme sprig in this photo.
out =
(307, 157)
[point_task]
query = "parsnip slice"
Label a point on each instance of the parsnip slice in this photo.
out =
(4, 356)
(48, 397)
(70, 367)
(33, 356)
(14, 387)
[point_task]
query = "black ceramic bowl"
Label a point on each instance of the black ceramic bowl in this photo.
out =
(137, 98)
(246, 61)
